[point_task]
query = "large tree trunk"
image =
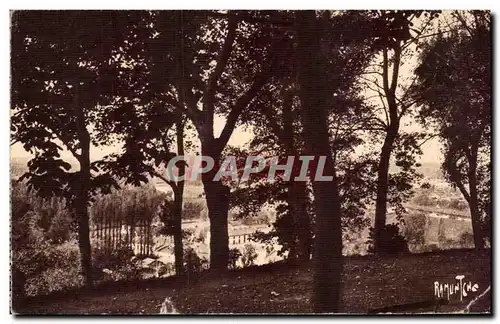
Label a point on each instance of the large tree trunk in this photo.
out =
(218, 206)
(314, 95)
(297, 191)
(217, 196)
(383, 186)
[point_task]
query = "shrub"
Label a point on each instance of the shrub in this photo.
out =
(392, 242)
(467, 240)
(192, 262)
(116, 263)
(60, 270)
(424, 200)
(192, 210)
(166, 270)
(166, 215)
(414, 230)
(234, 255)
(249, 255)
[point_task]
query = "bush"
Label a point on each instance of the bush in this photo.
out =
(234, 255)
(467, 240)
(40, 264)
(115, 264)
(249, 255)
(414, 230)
(424, 200)
(392, 242)
(166, 270)
(192, 210)
(60, 271)
(192, 262)
(458, 204)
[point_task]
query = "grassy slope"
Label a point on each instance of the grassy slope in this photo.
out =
(368, 284)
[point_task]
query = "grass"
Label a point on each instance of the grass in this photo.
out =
(368, 283)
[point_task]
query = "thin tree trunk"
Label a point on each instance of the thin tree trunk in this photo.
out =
(82, 193)
(314, 95)
(178, 201)
(474, 203)
(81, 210)
(178, 246)
(297, 193)
(383, 186)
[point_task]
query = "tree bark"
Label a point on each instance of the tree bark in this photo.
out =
(178, 201)
(383, 185)
(217, 195)
(81, 210)
(297, 191)
(178, 246)
(393, 120)
(474, 202)
(82, 192)
(297, 201)
(314, 95)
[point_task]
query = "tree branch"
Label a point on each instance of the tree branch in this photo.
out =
(395, 69)
(169, 182)
(385, 70)
(278, 131)
(222, 60)
(244, 16)
(240, 105)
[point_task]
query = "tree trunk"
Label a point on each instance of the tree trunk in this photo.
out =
(383, 186)
(178, 201)
(314, 95)
(297, 200)
(297, 191)
(218, 207)
(82, 214)
(217, 197)
(474, 204)
(82, 193)
(178, 247)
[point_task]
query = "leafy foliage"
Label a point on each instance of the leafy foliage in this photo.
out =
(414, 229)
(392, 241)
(234, 256)
(455, 90)
(249, 255)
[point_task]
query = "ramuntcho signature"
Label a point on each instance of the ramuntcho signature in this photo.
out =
(460, 287)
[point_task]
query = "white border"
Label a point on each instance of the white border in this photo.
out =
(254, 4)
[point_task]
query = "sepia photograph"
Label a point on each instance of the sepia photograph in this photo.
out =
(250, 162)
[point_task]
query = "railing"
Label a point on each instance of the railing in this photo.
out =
(239, 239)
(439, 211)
